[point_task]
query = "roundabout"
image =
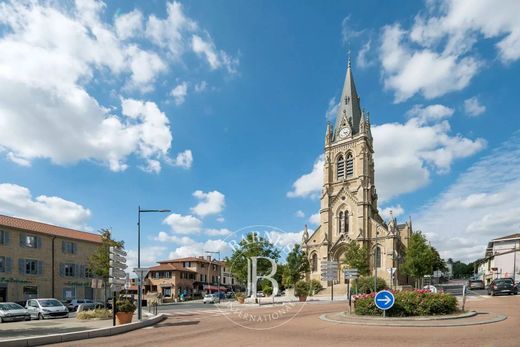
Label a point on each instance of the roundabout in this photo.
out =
(454, 320)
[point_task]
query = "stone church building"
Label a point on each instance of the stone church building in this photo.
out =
(348, 200)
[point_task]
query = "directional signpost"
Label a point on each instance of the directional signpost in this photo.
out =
(384, 300)
(117, 275)
(329, 272)
(350, 274)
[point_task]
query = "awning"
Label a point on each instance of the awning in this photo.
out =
(214, 288)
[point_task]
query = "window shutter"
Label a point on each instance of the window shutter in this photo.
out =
(7, 264)
(22, 239)
(62, 269)
(38, 242)
(40, 267)
(82, 271)
(63, 246)
(21, 266)
(76, 270)
(6, 237)
(73, 248)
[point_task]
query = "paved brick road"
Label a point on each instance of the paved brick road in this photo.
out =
(306, 329)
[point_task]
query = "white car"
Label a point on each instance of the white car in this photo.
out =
(46, 308)
(10, 311)
(209, 299)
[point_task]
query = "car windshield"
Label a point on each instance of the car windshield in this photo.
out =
(10, 306)
(50, 303)
(505, 281)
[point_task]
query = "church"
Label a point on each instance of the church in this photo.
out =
(348, 199)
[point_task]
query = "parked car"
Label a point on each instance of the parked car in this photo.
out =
(502, 286)
(46, 308)
(209, 299)
(10, 311)
(260, 294)
(230, 295)
(476, 284)
(73, 304)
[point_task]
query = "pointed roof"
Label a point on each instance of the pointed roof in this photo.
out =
(349, 106)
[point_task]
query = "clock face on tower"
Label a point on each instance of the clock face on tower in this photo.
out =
(343, 133)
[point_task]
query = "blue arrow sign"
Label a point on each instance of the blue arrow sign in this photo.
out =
(384, 300)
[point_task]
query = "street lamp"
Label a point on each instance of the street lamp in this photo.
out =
(139, 286)
(219, 272)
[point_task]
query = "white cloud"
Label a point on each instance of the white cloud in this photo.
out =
(473, 107)
(407, 71)
(481, 205)
(363, 61)
(405, 154)
(332, 109)
(166, 237)
(179, 93)
(220, 219)
(210, 203)
(309, 185)
(201, 86)
(129, 25)
(347, 32)
(437, 54)
(149, 257)
(391, 211)
(183, 224)
(17, 201)
(215, 58)
(184, 159)
(199, 248)
(299, 214)
(218, 232)
(145, 67)
(284, 240)
(315, 219)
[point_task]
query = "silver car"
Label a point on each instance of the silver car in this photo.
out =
(9, 312)
(46, 308)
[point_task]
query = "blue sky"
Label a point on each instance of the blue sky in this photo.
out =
(217, 111)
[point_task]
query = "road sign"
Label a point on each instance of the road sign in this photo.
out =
(141, 271)
(384, 300)
(117, 275)
(116, 281)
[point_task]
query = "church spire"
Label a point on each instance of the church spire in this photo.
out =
(349, 111)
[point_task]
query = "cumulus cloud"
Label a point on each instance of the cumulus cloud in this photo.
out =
(58, 118)
(218, 232)
(201, 86)
(473, 107)
(149, 257)
(184, 159)
(214, 57)
(17, 201)
(179, 93)
(183, 224)
(391, 211)
(437, 54)
(210, 203)
(309, 185)
(199, 248)
(406, 154)
(284, 240)
(315, 219)
(479, 206)
(299, 214)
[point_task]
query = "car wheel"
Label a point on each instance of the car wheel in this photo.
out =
(40, 316)
(1, 320)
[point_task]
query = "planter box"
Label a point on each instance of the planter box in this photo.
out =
(124, 317)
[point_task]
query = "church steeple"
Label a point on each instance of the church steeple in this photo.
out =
(349, 111)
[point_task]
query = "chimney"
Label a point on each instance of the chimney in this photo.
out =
(208, 257)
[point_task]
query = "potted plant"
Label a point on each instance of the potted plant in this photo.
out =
(240, 297)
(301, 290)
(124, 311)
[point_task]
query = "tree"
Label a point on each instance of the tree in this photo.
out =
(296, 267)
(99, 262)
(438, 264)
(462, 270)
(252, 245)
(418, 260)
(356, 257)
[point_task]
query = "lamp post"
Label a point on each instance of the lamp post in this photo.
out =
(139, 285)
(219, 271)
(375, 263)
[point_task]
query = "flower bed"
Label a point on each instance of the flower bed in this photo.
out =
(409, 303)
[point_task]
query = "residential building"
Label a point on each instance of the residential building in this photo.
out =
(502, 259)
(43, 260)
(348, 200)
(191, 276)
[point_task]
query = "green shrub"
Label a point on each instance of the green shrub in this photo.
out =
(125, 306)
(239, 295)
(267, 290)
(315, 287)
(365, 284)
(302, 288)
(100, 313)
(409, 303)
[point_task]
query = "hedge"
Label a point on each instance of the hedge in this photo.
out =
(409, 303)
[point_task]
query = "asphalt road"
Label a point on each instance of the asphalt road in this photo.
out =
(210, 327)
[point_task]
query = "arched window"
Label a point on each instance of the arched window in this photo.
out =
(314, 267)
(350, 165)
(378, 256)
(340, 223)
(345, 222)
(341, 167)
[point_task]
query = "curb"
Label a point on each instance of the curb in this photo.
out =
(411, 319)
(80, 335)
